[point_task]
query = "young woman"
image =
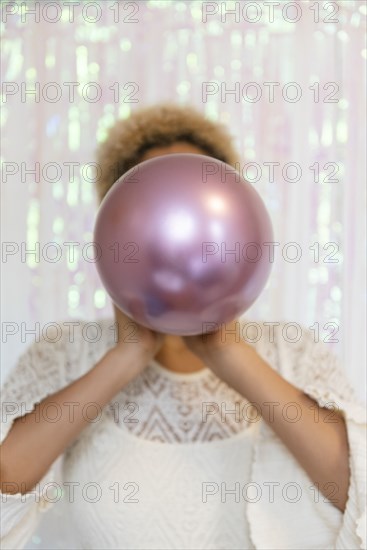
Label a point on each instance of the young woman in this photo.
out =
(248, 438)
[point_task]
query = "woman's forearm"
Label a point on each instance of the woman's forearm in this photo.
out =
(317, 438)
(34, 441)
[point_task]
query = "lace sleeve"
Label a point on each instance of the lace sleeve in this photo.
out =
(318, 371)
(43, 369)
(314, 369)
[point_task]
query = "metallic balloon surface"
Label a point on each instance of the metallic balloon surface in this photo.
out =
(181, 243)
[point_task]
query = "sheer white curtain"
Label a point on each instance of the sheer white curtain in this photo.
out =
(303, 148)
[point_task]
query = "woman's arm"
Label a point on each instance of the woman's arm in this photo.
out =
(34, 443)
(320, 444)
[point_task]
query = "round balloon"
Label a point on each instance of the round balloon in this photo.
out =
(181, 241)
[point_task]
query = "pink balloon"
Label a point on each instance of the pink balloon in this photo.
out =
(181, 243)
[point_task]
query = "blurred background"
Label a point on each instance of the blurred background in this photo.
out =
(287, 79)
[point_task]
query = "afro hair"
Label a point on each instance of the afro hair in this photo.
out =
(156, 126)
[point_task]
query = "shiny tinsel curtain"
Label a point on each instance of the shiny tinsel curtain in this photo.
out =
(289, 81)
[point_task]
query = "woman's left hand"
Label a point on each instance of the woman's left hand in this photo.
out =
(216, 344)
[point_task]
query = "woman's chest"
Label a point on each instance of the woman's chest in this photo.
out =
(128, 492)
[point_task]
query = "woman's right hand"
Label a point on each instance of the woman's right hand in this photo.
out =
(130, 334)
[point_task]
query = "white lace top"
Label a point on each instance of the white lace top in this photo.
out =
(181, 461)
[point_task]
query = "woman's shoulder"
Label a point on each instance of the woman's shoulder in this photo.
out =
(62, 344)
(279, 337)
(287, 337)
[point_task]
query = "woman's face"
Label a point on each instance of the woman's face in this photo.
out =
(177, 147)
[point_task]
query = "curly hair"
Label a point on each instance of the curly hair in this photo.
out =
(156, 126)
